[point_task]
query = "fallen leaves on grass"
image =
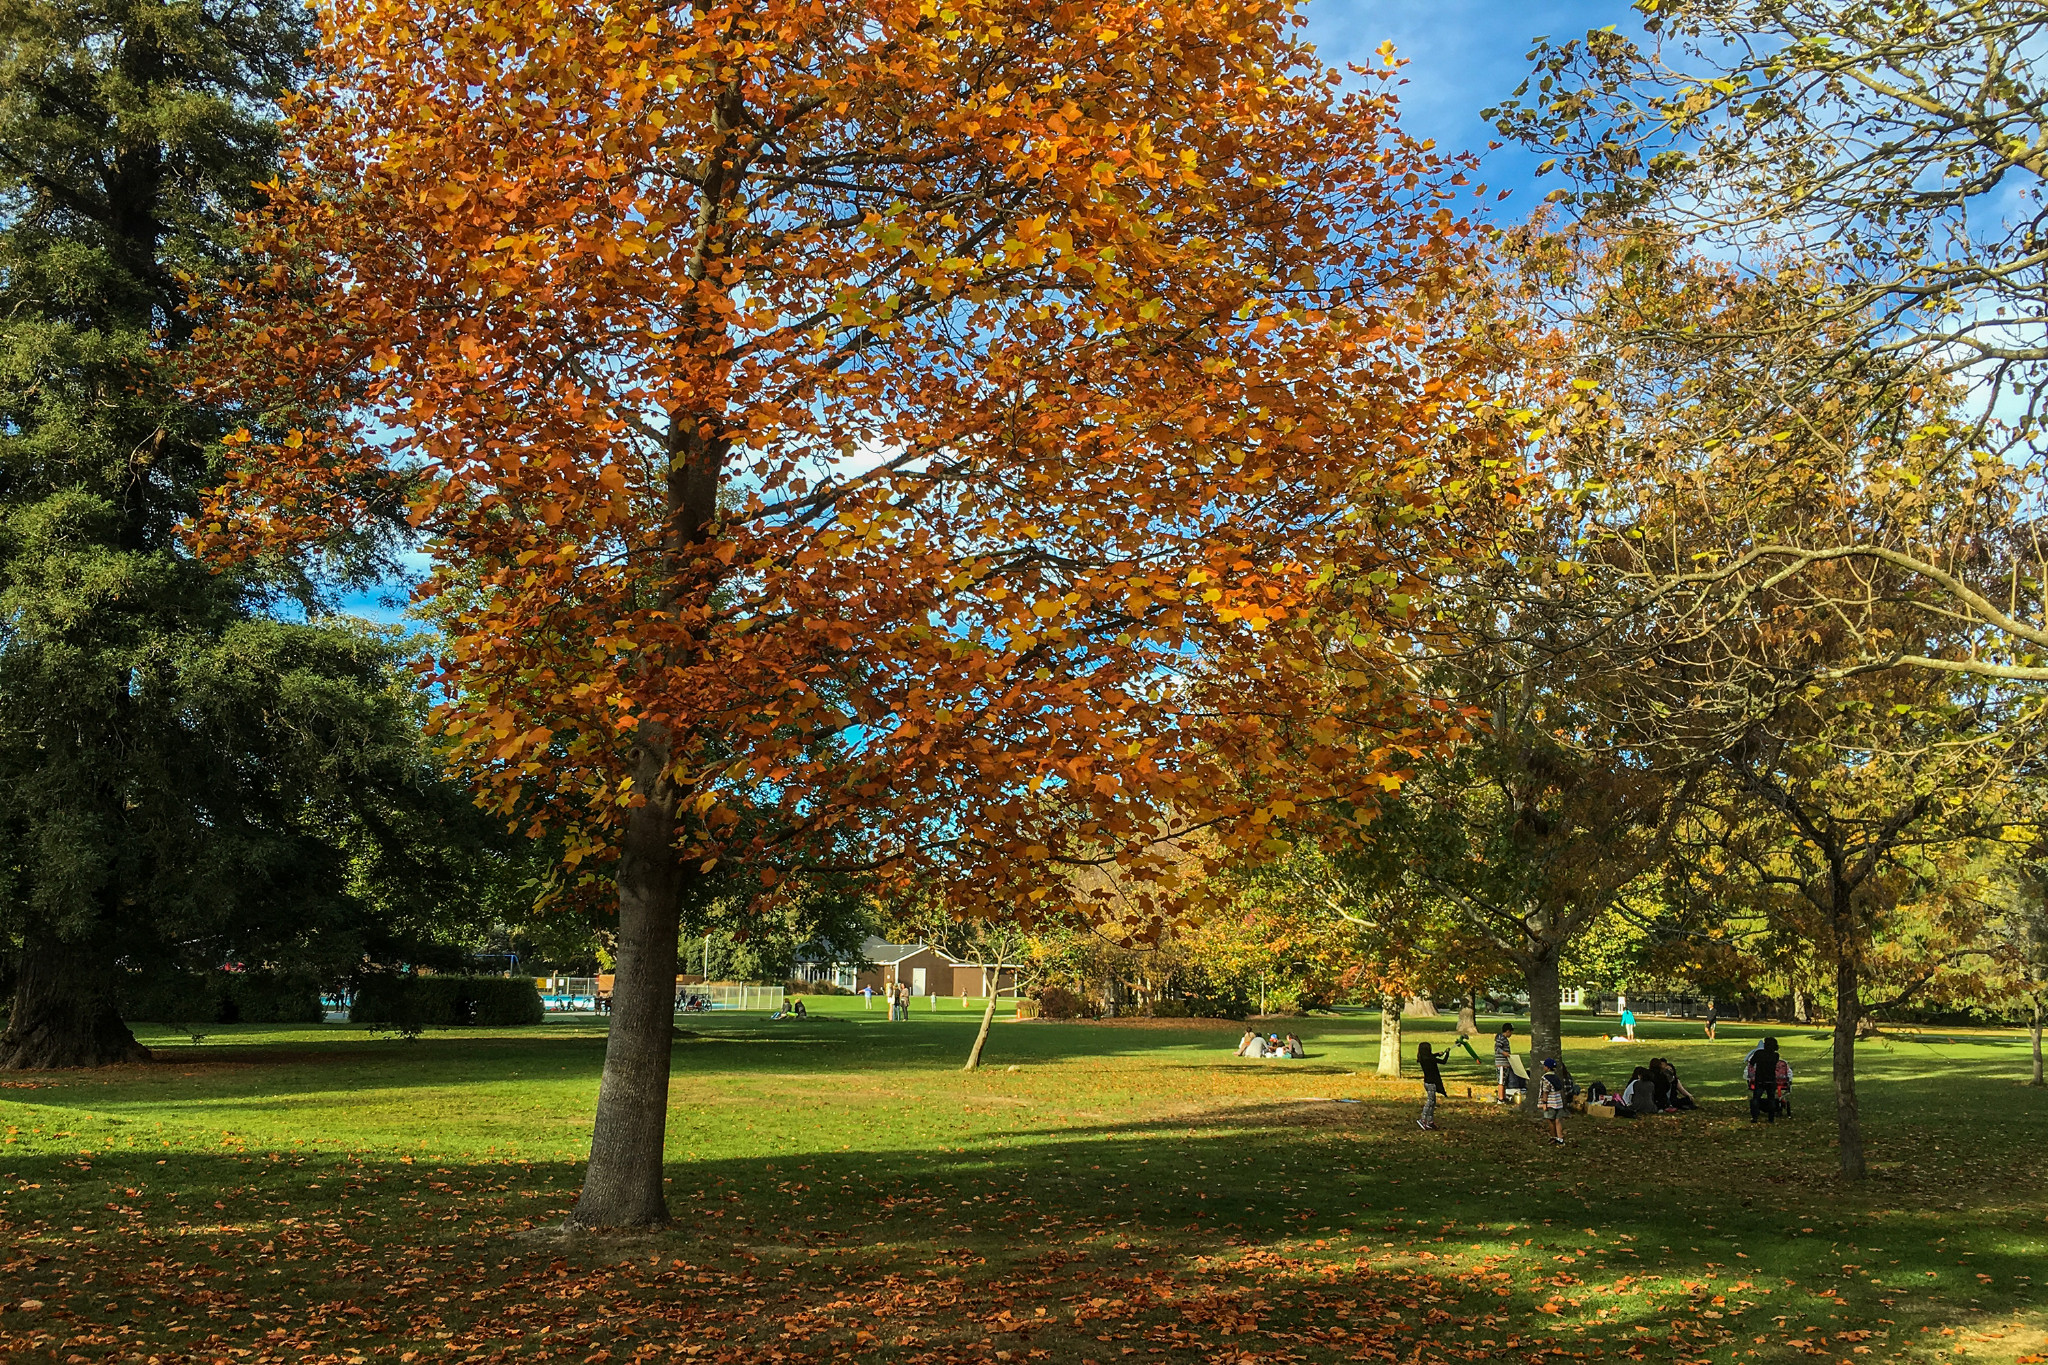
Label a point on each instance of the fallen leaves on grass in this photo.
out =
(815, 1303)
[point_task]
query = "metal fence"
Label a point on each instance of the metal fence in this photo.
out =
(571, 994)
(566, 994)
(734, 995)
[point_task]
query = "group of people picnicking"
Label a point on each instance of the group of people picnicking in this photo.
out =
(1256, 1044)
(1651, 1089)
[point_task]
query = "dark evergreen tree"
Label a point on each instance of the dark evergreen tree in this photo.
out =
(183, 772)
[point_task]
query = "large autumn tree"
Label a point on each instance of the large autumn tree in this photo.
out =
(818, 411)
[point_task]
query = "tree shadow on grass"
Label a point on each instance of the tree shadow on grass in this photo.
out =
(1265, 1228)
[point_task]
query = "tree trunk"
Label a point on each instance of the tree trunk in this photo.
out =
(1848, 1010)
(988, 1016)
(1546, 1019)
(1390, 1035)
(64, 1013)
(622, 1188)
(2036, 1081)
(1468, 1015)
(1802, 1007)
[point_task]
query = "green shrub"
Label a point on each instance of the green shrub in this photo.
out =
(819, 988)
(173, 995)
(503, 1001)
(167, 996)
(1057, 1002)
(412, 1003)
(1169, 1009)
(264, 998)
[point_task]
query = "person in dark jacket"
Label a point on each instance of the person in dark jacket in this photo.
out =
(1432, 1082)
(1761, 1071)
(1660, 1086)
(1639, 1095)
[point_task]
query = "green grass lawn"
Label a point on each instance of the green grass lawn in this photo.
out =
(1102, 1192)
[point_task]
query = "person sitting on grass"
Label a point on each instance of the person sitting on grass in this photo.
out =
(1432, 1083)
(1292, 1047)
(1251, 1045)
(1638, 1094)
(798, 1009)
(1672, 1097)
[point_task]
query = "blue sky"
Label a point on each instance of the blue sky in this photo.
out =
(1464, 55)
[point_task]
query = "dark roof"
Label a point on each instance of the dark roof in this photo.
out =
(883, 954)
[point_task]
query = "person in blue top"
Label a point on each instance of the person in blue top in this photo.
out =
(1628, 1023)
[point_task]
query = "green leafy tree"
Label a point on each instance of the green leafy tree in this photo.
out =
(178, 764)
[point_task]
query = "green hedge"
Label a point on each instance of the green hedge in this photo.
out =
(446, 1001)
(173, 996)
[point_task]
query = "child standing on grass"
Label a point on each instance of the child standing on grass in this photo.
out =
(1503, 1058)
(1551, 1099)
(1432, 1083)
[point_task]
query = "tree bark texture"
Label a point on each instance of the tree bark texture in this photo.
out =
(988, 1016)
(1546, 1019)
(622, 1188)
(1468, 1016)
(64, 1012)
(1848, 1010)
(1390, 1035)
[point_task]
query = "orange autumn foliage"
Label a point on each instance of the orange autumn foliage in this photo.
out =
(962, 411)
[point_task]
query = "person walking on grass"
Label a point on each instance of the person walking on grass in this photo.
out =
(1713, 1018)
(1768, 1077)
(1628, 1020)
(1551, 1099)
(1503, 1058)
(1432, 1083)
